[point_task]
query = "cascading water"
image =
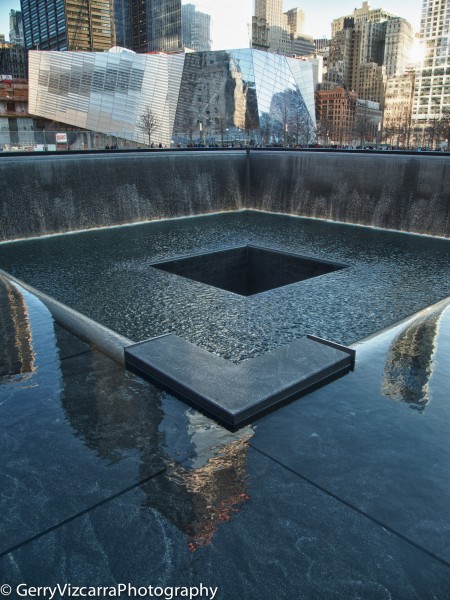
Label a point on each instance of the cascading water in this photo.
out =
(53, 194)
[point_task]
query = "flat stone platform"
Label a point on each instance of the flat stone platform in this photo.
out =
(236, 394)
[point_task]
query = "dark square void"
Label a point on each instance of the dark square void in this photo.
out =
(248, 270)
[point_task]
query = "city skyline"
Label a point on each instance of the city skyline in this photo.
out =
(315, 23)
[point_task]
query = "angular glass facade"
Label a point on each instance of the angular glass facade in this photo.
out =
(245, 96)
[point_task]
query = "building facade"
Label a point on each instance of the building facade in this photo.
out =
(83, 25)
(196, 28)
(245, 95)
(365, 14)
(432, 90)
(18, 129)
(184, 25)
(367, 47)
(398, 109)
(398, 44)
(335, 115)
(260, 34)
(13, 61)
(285, 30)
(16, 28)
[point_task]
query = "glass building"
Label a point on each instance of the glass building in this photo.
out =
(179, 25)
(211, 97)
(68, 24)
(140, 25)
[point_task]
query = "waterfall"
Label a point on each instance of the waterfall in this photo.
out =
(58, 193)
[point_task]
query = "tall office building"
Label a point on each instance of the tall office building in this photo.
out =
(367, 47)
(122, 23)
(180, 25)
(69, 24)
(295, 21)
(432, 88)
(284, 29)
(196, 28)
(365, 14)
(16, 28)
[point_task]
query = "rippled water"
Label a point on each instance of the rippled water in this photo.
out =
(106, 274)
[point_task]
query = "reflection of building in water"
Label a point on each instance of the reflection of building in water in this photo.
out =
(123, 414)
(409, 362)
(16, 350)
(114, 416)
(198, 500)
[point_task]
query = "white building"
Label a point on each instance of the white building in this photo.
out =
(432, 88)
(194, 97)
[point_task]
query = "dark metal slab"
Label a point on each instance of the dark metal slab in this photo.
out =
(234, 394)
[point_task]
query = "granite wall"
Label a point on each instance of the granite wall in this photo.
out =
(48, 194)
(402, 192)
(53, 194)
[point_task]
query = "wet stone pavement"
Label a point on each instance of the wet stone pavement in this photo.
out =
(106, 479)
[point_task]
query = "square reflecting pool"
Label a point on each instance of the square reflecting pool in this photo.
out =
(248, 270)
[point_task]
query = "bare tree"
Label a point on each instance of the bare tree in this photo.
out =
(191, 126)
(364, 126)
(324, 129)
(444, 127)
(221, 127)
(148, 123)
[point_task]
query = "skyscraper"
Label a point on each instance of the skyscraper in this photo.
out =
(68, 24)
(367, 47)
(432, 89)
(180, 25)
(16, 28)
(284, 29)
(196, 28)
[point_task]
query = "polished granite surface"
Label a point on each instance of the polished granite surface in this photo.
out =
(236, 395)
(106, 479)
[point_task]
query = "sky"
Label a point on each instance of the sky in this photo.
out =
(318, 14)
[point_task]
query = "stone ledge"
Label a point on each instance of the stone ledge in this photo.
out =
(236, 394)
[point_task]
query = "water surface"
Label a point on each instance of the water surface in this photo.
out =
(107, 275)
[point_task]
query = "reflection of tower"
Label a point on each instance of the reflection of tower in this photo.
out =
(118, 419)
(198, 500)
(409, 362)
(16, 351)
(212, 93)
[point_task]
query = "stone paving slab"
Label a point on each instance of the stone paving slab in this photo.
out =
(263, 534)
(379, 439)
